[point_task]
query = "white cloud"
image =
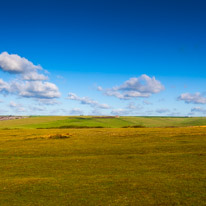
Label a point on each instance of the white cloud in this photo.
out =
(196, 98)
(99, 88)
(31, 84)
(14, 64)
(34, 89)
(143, 86)
(88, 101)
(37, 89)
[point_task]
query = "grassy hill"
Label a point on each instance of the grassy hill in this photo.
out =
(106, 122)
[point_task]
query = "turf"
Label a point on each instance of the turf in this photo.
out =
(103, 166)
(93, 122)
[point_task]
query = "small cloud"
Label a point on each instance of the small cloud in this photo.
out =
(196, 98)
(37, 109)
(198, 109)
(48, 101)
(13, 104)
(99, 88)
(88, 101)
(143, 86)
(147, 102)
(59, 77)
(161, 111)
(132, 106)
(17, 107)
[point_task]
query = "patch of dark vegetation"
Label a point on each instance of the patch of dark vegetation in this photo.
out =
(34, 138)
(78, 126)
(6, 128)
(50, 136)
(59, 136)
(103, 117)
(72, 127)
(171, 127)
(134, 126)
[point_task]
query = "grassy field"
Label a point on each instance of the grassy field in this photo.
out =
(92, 122)
(101, 166)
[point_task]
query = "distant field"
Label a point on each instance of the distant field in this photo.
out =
(92, 122)
(102, 166)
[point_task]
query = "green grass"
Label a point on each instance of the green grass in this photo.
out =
(103, 166)
(92, 122)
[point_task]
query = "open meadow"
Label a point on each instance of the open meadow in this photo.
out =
(59, 161)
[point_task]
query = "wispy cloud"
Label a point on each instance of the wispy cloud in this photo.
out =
(88, 101)
(196, 98)
(17, 107)
(143, 86)
(76, 111)
(162, 110)
(132, 106)
(147, 102)
(120, 112)
(198, 109)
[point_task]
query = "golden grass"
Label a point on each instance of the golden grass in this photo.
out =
(130, 166)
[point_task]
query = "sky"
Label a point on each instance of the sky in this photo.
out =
(105, 57)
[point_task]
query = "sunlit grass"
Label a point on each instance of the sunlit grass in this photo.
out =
(103, 166)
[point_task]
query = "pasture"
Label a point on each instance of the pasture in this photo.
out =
(48, 122)
(102, 166)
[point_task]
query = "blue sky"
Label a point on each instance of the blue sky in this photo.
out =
(103, 57)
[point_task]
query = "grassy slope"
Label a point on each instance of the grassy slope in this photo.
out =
(149, 166)
(24, 123)
(55, 121)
